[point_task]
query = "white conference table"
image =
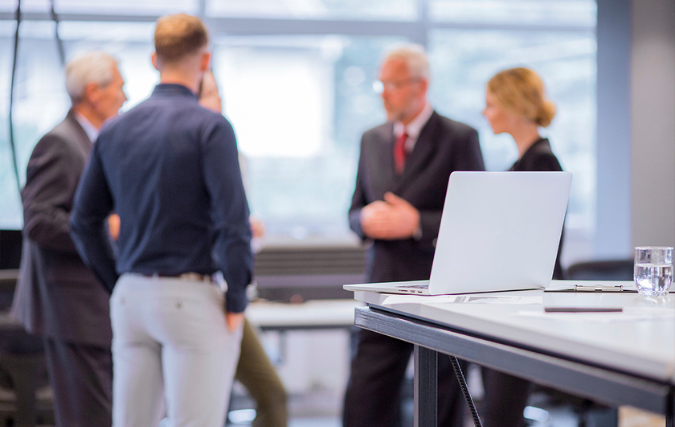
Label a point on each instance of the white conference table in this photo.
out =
(619, 358)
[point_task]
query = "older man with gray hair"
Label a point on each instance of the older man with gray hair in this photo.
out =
(400, 190)
(57, 297)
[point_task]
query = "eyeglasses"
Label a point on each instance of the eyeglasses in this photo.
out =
(380, 86)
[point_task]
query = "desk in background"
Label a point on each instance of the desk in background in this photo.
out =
(310, 315)
(315, 314)
(623, 358)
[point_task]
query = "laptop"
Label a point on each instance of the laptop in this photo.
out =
(499, 231)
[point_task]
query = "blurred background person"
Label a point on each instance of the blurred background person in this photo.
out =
(57, 297)
(401, 183)
(254, 370)
(516, 104)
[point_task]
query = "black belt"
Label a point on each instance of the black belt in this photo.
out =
(196, 277)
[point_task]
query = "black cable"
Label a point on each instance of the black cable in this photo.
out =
(11, 96)
(59, 42)
(465, 391)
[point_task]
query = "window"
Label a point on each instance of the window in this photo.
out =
(121, 7)
(296, 80)
(543, 13)
(299, 105)
(316, 9)
(464, 60)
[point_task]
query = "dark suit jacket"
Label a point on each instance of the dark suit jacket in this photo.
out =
(56, 295)
(540, 158)
(442, 147)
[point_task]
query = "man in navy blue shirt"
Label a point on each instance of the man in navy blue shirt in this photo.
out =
(169, 169)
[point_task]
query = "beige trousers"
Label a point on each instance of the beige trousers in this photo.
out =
(172, 353)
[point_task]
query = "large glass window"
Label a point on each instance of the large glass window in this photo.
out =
(464, 60)
(538, 12)
(300, 97)
(40, 99)
(321, 9)
(10, 202)
(299, 105)
(121, 7)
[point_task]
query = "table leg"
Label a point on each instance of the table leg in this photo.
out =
(670, 411)
(426, 387)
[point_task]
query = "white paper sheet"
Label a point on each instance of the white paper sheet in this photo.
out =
(628, 314)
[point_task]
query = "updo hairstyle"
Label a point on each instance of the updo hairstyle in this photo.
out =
(521, 91)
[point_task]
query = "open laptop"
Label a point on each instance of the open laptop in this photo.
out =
(499, 231)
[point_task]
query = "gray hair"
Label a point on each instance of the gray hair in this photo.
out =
(414, 56)
(88, 67)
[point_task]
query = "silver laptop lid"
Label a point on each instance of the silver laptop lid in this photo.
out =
(499, 231)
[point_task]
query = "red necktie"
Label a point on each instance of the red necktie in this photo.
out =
(400, 153)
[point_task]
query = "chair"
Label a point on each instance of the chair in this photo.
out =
(299, 273)
(25, 395)
(601, 270)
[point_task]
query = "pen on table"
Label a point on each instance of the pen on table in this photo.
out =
(583, 309)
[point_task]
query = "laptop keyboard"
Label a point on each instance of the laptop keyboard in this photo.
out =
(413, 289)
(420, 286)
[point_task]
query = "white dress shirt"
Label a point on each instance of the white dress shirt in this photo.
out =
(413, 128)
(89, 129)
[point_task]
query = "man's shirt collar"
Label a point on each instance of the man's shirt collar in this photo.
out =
(414, 128)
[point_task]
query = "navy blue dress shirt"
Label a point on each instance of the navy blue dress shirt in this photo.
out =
(169, 169)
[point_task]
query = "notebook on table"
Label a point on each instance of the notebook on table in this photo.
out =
(499, 232)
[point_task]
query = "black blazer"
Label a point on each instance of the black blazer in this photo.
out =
(442, 147)
(540, 158)
(56, 295)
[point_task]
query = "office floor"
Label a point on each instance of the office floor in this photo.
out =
(305, 413)
(314, 368)
(316, 401)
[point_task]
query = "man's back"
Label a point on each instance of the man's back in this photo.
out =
(153, 159)
(169, 168)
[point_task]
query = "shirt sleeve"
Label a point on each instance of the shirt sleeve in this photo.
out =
(229, 212)
(93, 203)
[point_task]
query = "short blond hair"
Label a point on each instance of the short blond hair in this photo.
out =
(178, 36)
(521, 91)
(415, 58)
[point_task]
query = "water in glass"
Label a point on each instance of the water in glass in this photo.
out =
(653, 279)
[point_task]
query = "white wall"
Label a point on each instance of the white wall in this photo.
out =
(653, 122)
(613, 215)
(636, 126)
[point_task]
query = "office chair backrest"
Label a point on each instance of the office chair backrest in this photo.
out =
(601, 270)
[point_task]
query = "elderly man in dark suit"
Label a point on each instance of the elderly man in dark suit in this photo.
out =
(402, 179)
(57, 296)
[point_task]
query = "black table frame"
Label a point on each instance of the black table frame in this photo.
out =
(578, 377)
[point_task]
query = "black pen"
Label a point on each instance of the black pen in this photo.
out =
(583, 309)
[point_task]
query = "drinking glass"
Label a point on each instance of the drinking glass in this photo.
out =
(653, 272)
